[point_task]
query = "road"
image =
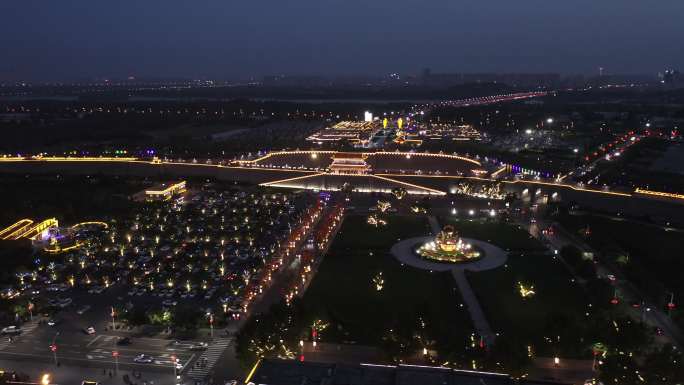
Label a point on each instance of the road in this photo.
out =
(648, 312)
(78, 352)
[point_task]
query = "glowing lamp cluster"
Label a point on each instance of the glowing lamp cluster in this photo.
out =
(447, 246)
(526, 291)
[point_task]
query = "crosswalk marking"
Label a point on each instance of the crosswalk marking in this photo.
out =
(26, 329)
(209, 357)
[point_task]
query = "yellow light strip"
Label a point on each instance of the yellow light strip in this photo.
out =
(12, 227)
(105, 225)
(251, 372)
(659, 193)
(134, 160)
(271, 154)
(400, 153)
(438, 192)
(176, 186)
(562, 185)
(499, 171)
(570, 187)
(16, 233)
(37, 229)
(428, 154)
(58, 249)
(289, 179)
(81, 159)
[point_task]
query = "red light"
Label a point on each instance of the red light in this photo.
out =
(53, 348)
(614, 301)
(115, 353)
(670, 305)
(301, 358)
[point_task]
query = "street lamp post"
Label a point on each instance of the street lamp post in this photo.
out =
(116, 362)
(175, 361)
(670, 305)
(53, 347)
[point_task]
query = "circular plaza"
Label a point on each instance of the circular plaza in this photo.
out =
(447, 251)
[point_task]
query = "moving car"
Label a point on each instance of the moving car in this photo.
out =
(143, 359)
(83, 309)
(53, 321)
(89, 330)
(11, 330)
(199, 346)
(124, 341)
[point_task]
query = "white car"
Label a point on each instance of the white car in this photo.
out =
(11, 330)
(143, 359)
(199, 346)
(83, 309)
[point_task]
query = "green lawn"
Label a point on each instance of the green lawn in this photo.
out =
(343, 292)
(558, 306)
(506, 236)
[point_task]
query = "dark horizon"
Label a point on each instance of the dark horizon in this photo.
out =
(218, 40)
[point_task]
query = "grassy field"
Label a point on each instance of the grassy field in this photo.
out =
(343, 291)
(508, 237)
(649, 256)
(555, 310)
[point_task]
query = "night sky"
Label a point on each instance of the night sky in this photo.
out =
(227, 39)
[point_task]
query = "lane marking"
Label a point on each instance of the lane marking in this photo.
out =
(93, 341)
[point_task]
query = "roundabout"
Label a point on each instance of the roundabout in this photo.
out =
(491, 256)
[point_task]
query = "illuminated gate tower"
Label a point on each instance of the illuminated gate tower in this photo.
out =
(349, 163)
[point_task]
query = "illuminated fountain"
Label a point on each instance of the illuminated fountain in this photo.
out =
(447, 246)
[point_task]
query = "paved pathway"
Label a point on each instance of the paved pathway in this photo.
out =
(494, 257)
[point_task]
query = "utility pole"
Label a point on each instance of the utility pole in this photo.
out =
(53, 347)
(211, 324)
(113, 315)
(116, 362)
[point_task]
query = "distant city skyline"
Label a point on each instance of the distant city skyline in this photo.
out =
(46, 41)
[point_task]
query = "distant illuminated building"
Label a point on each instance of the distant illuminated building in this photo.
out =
(349, 163)
(355, 132)
(449, 131)
(164, 191)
